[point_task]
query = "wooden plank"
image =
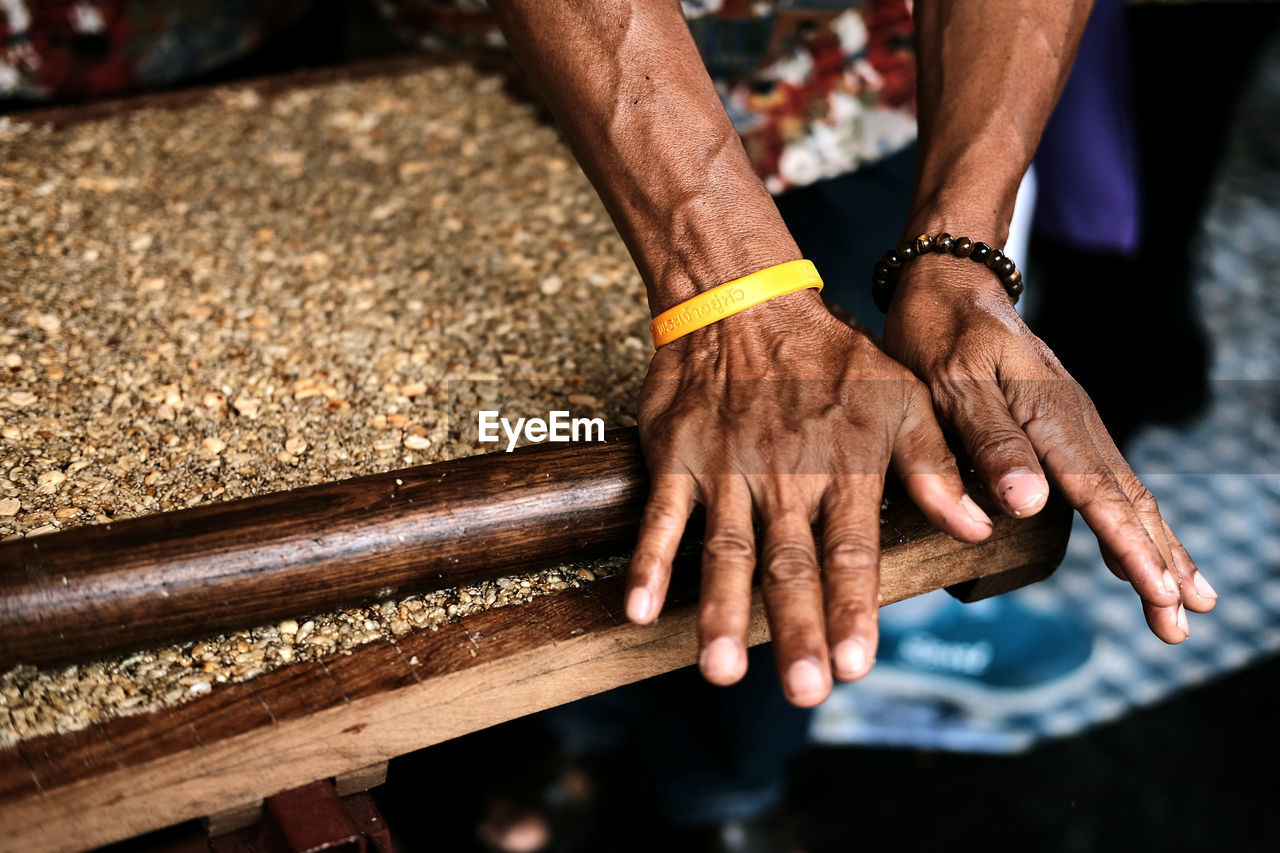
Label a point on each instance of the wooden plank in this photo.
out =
(574, 612)
(102, 589)
(483, 670)
(229, 710)
(503, 632)
(361, 779)
(16, 778)
(236, 817)
(432, 653)
(61, 759)
(298, 690)
(372, 669)
(140, 738)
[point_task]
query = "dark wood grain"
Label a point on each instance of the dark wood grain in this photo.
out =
(60, 759)
(430, 654)
(298, 690)
(431, 686)
(140, 738)
(110, 588)
(372, 669)
(491, 630)
(16, 779)
(229, 710)
(574, 612)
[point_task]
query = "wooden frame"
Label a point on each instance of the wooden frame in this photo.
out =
(243, 742)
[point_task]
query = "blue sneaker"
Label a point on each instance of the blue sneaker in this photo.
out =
(993, 658)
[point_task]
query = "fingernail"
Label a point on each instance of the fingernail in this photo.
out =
(1022, 490)
(975, 513)
(639, 603)
(1182, 620)
(851, 659)
(805, 680)
(1203, 586)
(721, 659)
(1168, 583)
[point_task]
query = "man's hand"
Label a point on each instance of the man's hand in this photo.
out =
(785, 415)
(1014, 406)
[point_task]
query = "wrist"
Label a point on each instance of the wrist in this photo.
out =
(710, 261)
(938, 282)
(759, 328)
(977, 219)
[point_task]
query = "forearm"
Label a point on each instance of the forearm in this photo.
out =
(626, 84)
(989, 76)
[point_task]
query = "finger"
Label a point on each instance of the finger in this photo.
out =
(1000, 450)
(728, 562)
(928, 470)
(1123, 538)
(1054, 414)
(1166, 621)
(665, 515)
(851, 572)
(1205, 596)
(793, 596)
(1197, 593)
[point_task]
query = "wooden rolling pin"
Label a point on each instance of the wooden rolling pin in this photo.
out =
(94, 591)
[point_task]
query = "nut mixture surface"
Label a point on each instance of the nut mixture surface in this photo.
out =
(255, 293)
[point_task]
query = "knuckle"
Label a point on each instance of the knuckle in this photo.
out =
(851, 610)
(998, 442)
(947, 395)
(918, 393)
(1143, 500)
(799, 631)
(788, 565)
(1104, 497)
(729, 546)
(661, 513)
(851, 555)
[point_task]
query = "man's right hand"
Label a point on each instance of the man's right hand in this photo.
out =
(785, 416)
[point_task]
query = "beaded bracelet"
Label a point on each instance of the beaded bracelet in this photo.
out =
(890, 266)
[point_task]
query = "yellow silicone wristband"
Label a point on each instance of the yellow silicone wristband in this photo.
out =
(731, 297)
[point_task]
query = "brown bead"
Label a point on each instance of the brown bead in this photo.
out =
(962, 247)
(882, 272)
(1005, 268)
(1014, 290)
(1013, 279)
(907, 251)
(994, 258)
(943, 243)
(924, 244)
(892, 259)
(980, 253)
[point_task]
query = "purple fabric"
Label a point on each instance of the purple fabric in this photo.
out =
(1087, 164)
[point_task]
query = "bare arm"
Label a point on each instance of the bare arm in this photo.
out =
(990, 74)
(625, 83)
(780, 413)
(989, 77)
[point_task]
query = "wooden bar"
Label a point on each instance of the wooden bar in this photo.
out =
(93, 591)
(298, 690)
(141, 738)
(16, 778)
(428, 687)
(60, 759)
